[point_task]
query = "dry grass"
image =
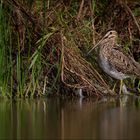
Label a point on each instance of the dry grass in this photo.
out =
(75, 26)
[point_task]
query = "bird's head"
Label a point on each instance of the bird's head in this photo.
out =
(112, 34)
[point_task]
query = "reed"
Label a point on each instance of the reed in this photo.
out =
(5, 53)
(31, 45)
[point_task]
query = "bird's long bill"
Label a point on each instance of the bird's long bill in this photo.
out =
(95, 46)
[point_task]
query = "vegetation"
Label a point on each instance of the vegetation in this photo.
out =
(43, 45)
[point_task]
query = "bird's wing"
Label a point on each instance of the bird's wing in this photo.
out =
(123, 62)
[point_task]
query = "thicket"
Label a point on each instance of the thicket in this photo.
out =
(43, 45)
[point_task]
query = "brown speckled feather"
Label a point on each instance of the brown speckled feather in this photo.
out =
(123, 62)
(113, 61)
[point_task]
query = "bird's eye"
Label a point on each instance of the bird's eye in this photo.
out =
(110, 32)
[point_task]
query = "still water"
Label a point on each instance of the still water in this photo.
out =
(55, 118)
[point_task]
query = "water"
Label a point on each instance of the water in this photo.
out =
(55, 118)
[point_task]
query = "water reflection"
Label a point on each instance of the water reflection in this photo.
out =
(56, 118)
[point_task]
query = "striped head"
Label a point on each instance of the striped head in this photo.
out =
(109, 40)
(112, 34)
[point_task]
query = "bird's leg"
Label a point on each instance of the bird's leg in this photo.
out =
(114, 86)
(124, 89)
(121, 86)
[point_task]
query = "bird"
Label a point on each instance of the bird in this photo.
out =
(113, 61)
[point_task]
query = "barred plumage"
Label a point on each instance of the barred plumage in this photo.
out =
(113, 61)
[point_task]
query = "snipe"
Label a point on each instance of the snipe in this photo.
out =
(113, 61)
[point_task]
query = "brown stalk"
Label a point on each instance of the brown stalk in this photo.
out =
(132, 15)
(80, 10)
